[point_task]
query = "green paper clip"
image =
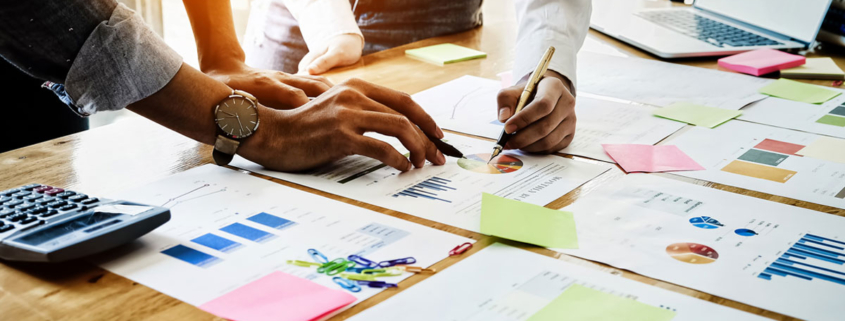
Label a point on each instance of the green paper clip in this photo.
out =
(357, 277)
(303, 263)
(340, 267)
(330, 265)
(392, 271)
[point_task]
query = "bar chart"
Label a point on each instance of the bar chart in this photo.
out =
(811, 258)
(428, 189)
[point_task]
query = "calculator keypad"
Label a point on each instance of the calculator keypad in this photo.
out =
(31, 205)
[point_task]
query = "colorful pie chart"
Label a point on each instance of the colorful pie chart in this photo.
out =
(745, 232)
(705, 222)
(692, 253)
(502, 164)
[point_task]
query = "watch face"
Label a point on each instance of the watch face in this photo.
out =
(237, 117)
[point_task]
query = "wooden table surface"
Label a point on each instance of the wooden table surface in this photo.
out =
(132, 153)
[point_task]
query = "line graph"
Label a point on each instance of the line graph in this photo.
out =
(191, 195)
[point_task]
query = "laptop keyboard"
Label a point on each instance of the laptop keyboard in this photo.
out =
(705, 29)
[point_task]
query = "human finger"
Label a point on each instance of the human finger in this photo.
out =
(556, 140)
(507, 99)
(398, 101)
(381, 151)
(549, 91)
(395, 126)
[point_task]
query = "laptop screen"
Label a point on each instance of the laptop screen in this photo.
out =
(799, 19)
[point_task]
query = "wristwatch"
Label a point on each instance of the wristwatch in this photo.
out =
(237, 118)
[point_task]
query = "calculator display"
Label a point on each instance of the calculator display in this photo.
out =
(64, 228)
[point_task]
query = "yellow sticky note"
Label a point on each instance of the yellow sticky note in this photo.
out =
(825, 148)
(815, 68)
(696, 114)
(446, 53)
(585, 304)
(527, 223)
(797, 91)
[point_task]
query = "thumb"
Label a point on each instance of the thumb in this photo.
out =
(507, 100)
(325, 62)
(308, 59)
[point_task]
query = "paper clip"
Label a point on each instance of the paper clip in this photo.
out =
(346, 284)
(391, 271)
(460, 249)
(416, 269)
(331, 265)
(340, 268)
(378, 284)
(362, 261)
(357, 269)
(357, 277)
(303, 263)
(407, 260)
(317, 256)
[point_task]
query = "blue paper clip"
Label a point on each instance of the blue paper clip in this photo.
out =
(346, 284)
(317, 256)
(362, 261)
(407, 260)
(378, 284)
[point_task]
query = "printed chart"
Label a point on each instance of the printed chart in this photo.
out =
(481, 163)
(692, 253)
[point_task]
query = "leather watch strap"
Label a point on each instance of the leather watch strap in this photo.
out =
(224, 150)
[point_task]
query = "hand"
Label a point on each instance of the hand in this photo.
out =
(342, 50)
(272, 88)
(333, 125)
(547, 123)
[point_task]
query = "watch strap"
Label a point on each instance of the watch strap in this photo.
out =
(224, 150)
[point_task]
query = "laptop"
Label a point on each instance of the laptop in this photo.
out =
(711, 27)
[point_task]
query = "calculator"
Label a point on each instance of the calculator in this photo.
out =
(43, 223)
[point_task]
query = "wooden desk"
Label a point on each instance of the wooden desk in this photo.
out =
(133, 153)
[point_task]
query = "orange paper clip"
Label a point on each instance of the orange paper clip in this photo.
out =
(460, 249)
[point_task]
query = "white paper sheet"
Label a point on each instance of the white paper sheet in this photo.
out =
(740, 143)
(634, 223)
(449, 194)
(797, 115)
(661, 84)
(468, 105)
(503, 283)
(207, 199)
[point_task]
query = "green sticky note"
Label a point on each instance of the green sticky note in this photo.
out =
(696, 114)
(446, 53)
(832, 120)
(585, 304)
(797, 91)
(527, 223)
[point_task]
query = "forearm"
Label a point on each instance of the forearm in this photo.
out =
(214, 31)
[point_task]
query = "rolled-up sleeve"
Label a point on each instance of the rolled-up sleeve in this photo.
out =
(102, 52)
(543, 23)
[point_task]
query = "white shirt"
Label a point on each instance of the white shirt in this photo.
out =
(542, 23)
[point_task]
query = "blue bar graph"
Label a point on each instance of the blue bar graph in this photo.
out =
(272, 221)
(191, 256)
(219, 243)
(428, 189)
(247, 232)
(798, 261)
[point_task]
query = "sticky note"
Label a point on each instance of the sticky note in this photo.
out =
(647, 158)
(446, 53)
(696, 114)
(815, 68)
(761, 61)
(825, 148)
(581, 303)
(796, 91)
(527, 223)
(278, 296)
(832, 120)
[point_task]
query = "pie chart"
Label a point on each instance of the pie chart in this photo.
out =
(745, 232)
(692, 253)
(705, 222)
(502, 164)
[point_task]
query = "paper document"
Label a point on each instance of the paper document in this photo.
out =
(449, 194)
(698, 115)
(528, 223)
(468, 105)
(661, 84)
(579, 302)
(798, 91)
(826, 119)
(503, 283)
(229, 229)
(651, 159)
(762, 158)
(769, 255)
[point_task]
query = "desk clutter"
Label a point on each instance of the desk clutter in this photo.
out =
(245, 248)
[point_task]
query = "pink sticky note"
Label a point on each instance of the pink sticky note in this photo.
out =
(278, 296)
(648, 158)
(761, 61)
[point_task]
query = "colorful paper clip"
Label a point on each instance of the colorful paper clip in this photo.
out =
(347, 284)
(357, 269)
(303, 263)
(416, 269)
(317, 256)
(460, 249)
(377, 284)
(362, 260)
(391, 271)
(331, 265)
(357, 276)
(389, 263)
